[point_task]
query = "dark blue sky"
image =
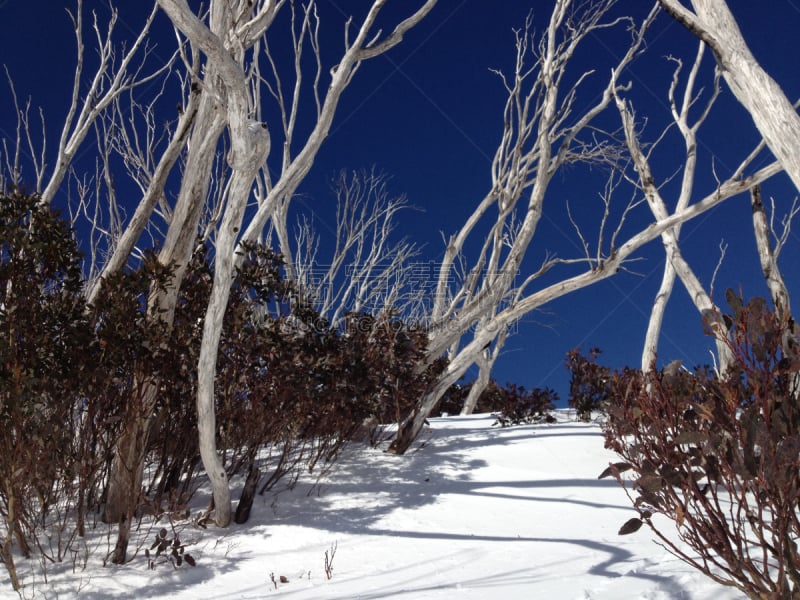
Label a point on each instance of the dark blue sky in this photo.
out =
(430, 114)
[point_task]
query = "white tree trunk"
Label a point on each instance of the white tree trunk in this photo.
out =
(767, 257)
(126, 471)
(485, 361)
(250, 145)
(656, 320)
(485, 364)
(677, 265)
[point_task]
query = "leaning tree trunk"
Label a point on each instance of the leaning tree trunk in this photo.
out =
(676, 264)
(767, 258)
(775, 282)
(125, 480)
(480, 384)
(485, 361)
(656, 320)
(540, 135)
(412, 425)
(773, 114)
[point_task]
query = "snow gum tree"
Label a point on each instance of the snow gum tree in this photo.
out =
(478, 300)
(775, 119)
(542, 133)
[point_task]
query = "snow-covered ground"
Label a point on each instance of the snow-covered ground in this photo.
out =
(473, 511)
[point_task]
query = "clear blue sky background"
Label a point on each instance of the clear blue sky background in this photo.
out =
(430, 114)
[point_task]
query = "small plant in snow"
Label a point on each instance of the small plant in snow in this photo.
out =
(329, 554)
(168, 551)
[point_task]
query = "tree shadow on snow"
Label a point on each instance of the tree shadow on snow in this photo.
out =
(367, 486)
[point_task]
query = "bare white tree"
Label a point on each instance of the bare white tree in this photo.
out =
(541, 134)
(115, 75)
(135, 141)
(675, 264)
(227, 72)
(368, 270)
(775, 118)
(765, 232)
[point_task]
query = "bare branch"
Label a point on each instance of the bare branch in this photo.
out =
(723, 248)
(367, 271)
(773, 115)
(109, 81)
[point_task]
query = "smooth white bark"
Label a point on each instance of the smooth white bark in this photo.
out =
(768, 256)
(677, 265)
(250, 143)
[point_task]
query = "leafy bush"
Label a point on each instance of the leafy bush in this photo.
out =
(512, 404)
(720, 458)
(68, 376)
(72, 376)
(290, 383)
(588, 386)
(172, 441)
(521, 407)
(42, 325)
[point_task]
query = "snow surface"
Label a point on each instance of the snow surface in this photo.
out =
(473, 511)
